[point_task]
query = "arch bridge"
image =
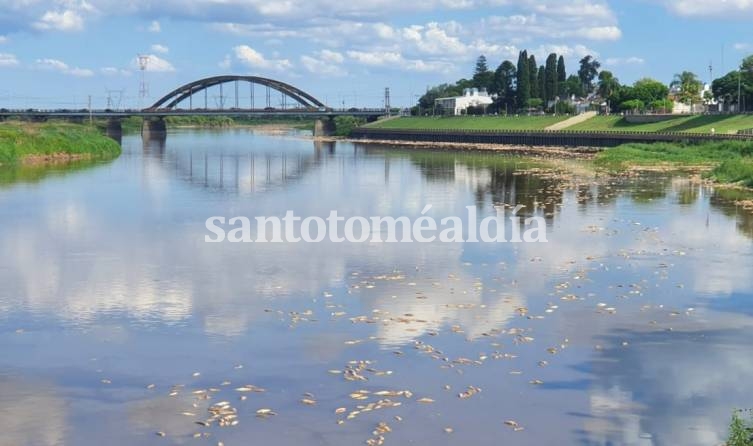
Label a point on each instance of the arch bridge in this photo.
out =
(227, 95)
(244, 96)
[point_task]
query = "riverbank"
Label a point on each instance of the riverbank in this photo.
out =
(723, 162)
(532, 151)
(41, 143)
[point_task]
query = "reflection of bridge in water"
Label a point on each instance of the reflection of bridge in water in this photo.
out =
(239, 172)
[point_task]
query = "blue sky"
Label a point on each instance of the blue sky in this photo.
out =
(55, 53)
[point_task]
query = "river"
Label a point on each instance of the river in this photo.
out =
(119, 325)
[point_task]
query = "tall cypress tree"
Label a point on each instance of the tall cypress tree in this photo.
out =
(551, 77)
(533, 72)
(542, 84)
(524, 80)
(561, 77)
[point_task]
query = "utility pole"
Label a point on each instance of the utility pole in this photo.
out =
(90, 110)
(739, 88)
(387, 107)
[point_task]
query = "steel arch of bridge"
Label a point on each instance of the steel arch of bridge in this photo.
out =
(170, 100)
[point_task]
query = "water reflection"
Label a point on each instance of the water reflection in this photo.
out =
(110, 264)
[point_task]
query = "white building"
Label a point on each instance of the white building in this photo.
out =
(472, 97)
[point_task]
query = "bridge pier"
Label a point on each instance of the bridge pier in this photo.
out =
(324, 127)
(114, 129)
(154, 128)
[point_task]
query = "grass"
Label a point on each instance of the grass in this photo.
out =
(722, 124)
(728, 161)
(471, 123)
(19, 140)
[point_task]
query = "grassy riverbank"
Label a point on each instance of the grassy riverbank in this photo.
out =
(470, 123)
(724, 162)
(721, 124)
(30, 142)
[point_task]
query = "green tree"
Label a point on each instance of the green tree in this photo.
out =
(551, 76)
(523, 81)
(482, 76)
(608, 84)
(535, 103)
(503, 85)
(589, 68)
(541, 80)
(632, 105)
(561, 77)
(533, 73)
(726, 88)
(573, 86)
(649, 90)
(689, 88)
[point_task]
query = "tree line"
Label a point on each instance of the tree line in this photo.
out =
(526, 86)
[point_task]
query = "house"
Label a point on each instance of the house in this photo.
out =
(704, 103)
(458, 105)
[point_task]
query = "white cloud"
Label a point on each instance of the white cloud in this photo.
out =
(67, 20)
(157, 48)
(3, 39)
(255, 60)
(62, 67)
(324, 63)
(395, 60)
(154, 27)
(617, 61)
(154, 64)
(742, 46)
(8, 60)
(112, 71)
(732, 9)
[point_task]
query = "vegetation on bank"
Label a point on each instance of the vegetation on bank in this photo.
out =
(471, 123)
(728, 161)
(133, 123)
(740, 431)
(19, 140)
(344, 125)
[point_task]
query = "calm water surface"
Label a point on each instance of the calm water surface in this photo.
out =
(633, 326)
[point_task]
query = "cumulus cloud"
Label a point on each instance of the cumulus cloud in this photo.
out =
(253, 59)
(8, 60)
(157, 48)
(395, 60)
(324, 63)
(67, 20)
(62, 67)
(154, 27)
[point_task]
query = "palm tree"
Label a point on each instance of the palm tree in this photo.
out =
(608, 84)
(689, 88)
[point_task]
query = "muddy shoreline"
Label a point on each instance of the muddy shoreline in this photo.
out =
(534, 151)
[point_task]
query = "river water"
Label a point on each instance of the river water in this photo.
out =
(119, 325)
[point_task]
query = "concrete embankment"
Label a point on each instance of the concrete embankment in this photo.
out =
(537, 137)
